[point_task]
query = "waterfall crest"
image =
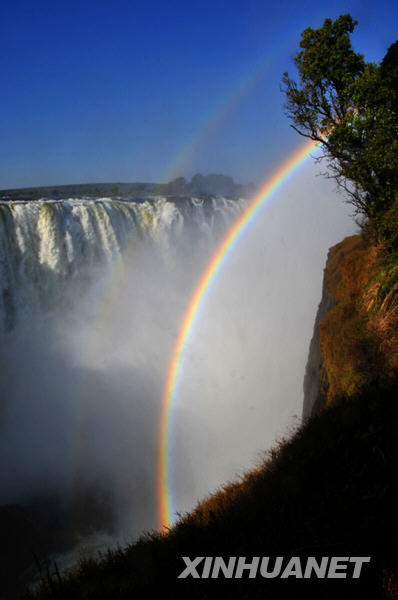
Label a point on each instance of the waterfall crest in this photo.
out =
(46, 245)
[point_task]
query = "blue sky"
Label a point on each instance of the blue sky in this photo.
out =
(144, 91)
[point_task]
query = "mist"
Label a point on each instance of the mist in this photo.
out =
(82, 382)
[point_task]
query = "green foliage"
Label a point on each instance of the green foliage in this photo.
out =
(389, 227)
(328, 68)
(389, 68)
(348, 105)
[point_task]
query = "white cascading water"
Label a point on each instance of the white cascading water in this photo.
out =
(47, 245)
(92, 292)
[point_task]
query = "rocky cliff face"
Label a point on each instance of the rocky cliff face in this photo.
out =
(314, 398)
(355, 341)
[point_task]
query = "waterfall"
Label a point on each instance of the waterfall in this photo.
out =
(47, 245)
(92, 292)
(92, 295)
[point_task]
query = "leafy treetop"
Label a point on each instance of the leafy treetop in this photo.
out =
(350, 107)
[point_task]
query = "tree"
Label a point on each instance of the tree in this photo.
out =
(176, 186)
(389, 68)
(349, 107)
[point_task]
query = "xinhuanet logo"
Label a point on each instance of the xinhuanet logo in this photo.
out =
(237, 567)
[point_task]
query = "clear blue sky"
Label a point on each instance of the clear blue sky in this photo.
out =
(127, 90)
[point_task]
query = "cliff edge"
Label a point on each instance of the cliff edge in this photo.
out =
(313, 397)
(355, 339)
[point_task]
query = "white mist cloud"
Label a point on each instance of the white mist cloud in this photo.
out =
(244, 367)
(81, 388)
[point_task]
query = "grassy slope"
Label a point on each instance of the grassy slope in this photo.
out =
(329, 490)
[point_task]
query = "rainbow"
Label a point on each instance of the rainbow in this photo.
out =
(165, 501)
(214, 120)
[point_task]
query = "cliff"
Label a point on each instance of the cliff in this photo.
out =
(355, 340)
(314, 399)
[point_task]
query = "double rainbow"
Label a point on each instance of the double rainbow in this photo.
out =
(166, 505)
